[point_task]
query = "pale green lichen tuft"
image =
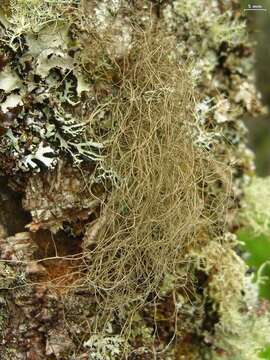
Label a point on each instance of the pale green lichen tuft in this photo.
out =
(30, 16)
(256, 207)
(241, 332)
(104, 347)
(84, 88)
(244, 330)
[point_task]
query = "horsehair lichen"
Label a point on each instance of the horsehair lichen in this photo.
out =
(109, 102)
(159, 209)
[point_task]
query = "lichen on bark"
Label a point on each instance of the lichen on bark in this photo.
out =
(120, 130)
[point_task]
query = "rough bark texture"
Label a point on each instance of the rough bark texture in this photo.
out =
(67, 75)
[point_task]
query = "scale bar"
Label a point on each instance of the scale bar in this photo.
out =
(254, 9)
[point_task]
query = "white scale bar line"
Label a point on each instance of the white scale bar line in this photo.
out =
(254, 9)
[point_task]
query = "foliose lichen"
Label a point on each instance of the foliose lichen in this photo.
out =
(85, 89)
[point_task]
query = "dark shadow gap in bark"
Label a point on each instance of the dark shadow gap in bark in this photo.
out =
(12, 215)
(59, 256)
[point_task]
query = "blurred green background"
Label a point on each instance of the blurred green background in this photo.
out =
(259, 127)
(257, 247)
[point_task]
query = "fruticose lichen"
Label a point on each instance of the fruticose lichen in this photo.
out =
(122, 138)
(256, 210)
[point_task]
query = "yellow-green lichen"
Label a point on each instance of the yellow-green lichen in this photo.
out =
(256, 207)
